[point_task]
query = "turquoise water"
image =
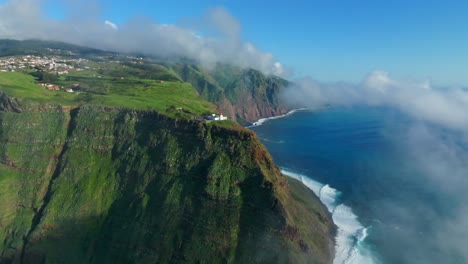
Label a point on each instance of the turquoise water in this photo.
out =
(371, 157)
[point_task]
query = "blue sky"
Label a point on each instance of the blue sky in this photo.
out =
(330, 40)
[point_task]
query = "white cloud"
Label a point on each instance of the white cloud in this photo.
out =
(446, 107)
(22, 19)
(379, 80)
(430, 190)
(111, 25)
(278, 69)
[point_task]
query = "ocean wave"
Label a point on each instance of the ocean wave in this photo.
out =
(272, 141)
(351, 235)
(263, 120)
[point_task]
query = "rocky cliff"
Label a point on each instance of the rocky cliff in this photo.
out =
(109, 185)
(243, 95)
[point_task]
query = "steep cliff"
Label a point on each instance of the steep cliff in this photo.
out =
(243, 95)
(112, 185)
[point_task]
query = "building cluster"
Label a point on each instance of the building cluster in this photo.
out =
(53, 87)
(215, 117)
(61, 52)
(52, 64)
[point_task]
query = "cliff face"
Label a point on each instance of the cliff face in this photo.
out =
(254, 95)
(243, 95)
(100, 185)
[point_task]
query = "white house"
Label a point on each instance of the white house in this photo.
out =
(215, 117)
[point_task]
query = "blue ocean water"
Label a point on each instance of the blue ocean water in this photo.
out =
(373, 158)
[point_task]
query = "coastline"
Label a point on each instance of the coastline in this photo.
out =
(263, 120)
(350, 233)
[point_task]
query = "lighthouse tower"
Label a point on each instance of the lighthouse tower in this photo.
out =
(221, 117)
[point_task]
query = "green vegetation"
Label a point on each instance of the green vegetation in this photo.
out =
(226, 124)
(24, 86)
(44, 77)
(245, 95)
(102, 79)
(132, 93)
(124, 172)
(108, 185)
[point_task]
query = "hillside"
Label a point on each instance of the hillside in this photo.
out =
(125, 170)
(244, 95)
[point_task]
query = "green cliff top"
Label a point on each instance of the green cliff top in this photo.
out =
(132, 93)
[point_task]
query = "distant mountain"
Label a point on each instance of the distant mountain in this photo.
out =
(245, 95)
(10, 47)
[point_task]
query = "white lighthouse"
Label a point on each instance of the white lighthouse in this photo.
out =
(221, 117)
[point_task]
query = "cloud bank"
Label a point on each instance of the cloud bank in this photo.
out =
(24, 19)
(418, 99)
(425, 221)
(426, 217)
(428, 208)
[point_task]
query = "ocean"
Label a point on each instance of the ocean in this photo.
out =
(381, 175)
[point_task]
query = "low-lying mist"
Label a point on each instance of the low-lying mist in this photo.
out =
(418, 99)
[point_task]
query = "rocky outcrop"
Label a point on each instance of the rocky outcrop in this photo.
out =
(8, 104)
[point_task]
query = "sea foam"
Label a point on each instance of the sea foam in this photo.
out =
(351, 234)
(263, 120)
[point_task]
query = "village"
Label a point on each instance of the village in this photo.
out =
(52, 64)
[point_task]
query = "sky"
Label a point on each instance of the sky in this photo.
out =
(330, 40)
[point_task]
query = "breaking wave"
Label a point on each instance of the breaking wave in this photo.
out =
(350, 238)
(263, 120)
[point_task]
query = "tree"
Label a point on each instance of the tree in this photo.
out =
(45, 77)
